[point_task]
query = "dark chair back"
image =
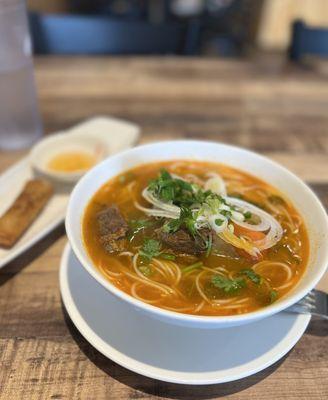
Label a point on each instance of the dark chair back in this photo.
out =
(308, 41)
(73, 34)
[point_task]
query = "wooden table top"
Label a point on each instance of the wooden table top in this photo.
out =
(277, 110)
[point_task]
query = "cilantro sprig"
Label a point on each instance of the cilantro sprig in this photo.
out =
(170, 189)
(186, 219)
(232, 286)
(251, 275)
(229, 286)
(152, 248)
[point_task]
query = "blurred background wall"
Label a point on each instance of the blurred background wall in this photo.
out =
(274, 32)
(227, 28)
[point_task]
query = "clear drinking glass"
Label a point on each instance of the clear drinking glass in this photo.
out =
(20, 123)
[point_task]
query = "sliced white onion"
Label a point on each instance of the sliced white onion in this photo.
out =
(268, 223)
(237, 216)
(155, 212)
(147, 195)
(244, 206)
(273, 236)
(216, 184)
(225, 207)
(231, 228)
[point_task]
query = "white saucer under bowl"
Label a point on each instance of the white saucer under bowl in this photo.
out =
(168, 352)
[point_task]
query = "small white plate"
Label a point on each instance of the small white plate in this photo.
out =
(12, 182)
(168, 352)
(119, 134)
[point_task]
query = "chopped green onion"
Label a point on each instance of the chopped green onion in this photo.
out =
(226, 213)
(191, 267)
(167, 256)
(248, 215)
(209, 243)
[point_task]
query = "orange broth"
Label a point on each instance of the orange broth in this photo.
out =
(280, 267)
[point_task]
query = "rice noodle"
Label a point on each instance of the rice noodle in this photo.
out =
(110, 274)
(177, 270)
(288, 270)
(179, 309)
(200, 291)
(199, 307)
(134, 293)
(126, 253)
(165, 289)
(161, 272)
(146, 280)
(166, 271)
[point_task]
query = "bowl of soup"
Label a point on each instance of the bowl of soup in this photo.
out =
(197, 233)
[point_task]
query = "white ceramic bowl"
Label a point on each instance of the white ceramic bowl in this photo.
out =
(302, 197)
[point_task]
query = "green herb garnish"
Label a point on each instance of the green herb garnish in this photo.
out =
(191, 267)
(218, 222)
(273, 296)
(170, 189)
(186, 220)
(248, 215)
(167, 256)
(208, 245)
(172, 226)
(229, 286)
(226, 213)
(152, 248)
(252, 275)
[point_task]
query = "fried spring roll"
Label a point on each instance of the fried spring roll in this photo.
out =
(23, 211)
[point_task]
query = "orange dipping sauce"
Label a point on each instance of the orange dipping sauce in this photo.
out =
(71, 161)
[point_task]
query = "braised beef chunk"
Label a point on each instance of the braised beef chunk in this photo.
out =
(181, 242)
(112, 229)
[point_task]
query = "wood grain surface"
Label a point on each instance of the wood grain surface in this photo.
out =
(275, 109)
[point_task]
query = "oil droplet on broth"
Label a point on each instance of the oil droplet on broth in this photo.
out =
(72, 161)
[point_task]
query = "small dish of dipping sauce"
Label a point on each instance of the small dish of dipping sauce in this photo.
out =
(71, 161)
(66, 157)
